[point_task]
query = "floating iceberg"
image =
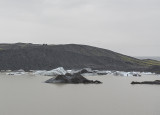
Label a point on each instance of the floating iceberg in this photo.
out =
(102, 72)
(126, 74)
(40, 72)
(16, 73)
(147, 73)
(54, 72)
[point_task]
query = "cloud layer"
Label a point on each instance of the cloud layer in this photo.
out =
(129, 27)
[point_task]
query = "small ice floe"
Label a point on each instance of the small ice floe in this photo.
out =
(10, 73)
(72, 71)
(54, 72)
(120, 73)
(39, 72)
(89, 72)
(18, 72)
(97, 72)
(126, 74)
(135, 74)
(102, 72)
(147, 73)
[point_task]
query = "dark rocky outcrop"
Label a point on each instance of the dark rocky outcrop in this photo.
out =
(136, 75)
(101, 73)
(156, 82)
(72, 79)
(84, 70)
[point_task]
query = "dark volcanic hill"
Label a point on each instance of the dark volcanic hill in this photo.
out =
(70, 56)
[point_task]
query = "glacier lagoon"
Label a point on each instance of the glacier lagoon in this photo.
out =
(28, 95)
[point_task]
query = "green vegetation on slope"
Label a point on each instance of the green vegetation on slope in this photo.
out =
(145, 62)
(151, 62)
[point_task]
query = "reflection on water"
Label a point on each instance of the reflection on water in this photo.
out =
(29, 95)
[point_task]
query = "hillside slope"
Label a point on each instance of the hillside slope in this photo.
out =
(70, 56)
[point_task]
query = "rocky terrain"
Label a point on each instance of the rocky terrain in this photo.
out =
(73, 79)
(156, 82)
(29, 56)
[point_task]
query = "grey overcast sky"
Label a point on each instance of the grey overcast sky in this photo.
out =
(131, 27)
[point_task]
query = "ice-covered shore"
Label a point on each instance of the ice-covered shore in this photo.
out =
(84, 71)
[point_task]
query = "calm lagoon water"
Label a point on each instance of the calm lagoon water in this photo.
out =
(29, 95)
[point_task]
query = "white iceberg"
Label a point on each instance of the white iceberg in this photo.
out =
(54, 72)
(126, 74)
(39, 72)
(16, 73)
(147, 73)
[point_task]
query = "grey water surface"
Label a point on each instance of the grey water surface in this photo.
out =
(29, 95)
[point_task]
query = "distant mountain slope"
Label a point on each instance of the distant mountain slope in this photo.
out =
(149, 57)
(70, 56)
